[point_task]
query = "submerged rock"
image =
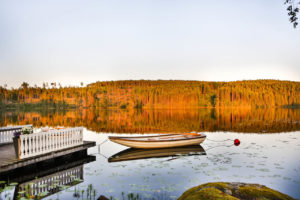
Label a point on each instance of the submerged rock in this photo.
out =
(232, 191)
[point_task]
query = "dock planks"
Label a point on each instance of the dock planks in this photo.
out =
(9, 161)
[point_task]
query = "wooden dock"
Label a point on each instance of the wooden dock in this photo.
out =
(40, 147)
(49, 176)
(9, 161)
(44, 160)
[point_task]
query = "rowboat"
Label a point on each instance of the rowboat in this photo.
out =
(137, 154)
(159, 141)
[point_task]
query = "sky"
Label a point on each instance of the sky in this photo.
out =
(73, 41)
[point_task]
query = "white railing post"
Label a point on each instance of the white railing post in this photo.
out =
(53, 140)
(7, 133)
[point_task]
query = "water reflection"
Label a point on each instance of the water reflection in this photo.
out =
(137, 154)
(163, 121)
(53, 183)
(46, 179)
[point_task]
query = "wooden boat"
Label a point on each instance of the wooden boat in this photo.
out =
(136, 154)
(160, 141)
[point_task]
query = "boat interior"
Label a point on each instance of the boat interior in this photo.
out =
(162, 137)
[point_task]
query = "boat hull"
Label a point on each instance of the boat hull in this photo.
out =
(158, 144)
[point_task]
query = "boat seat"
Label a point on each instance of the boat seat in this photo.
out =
(175, 137)
(151, 139)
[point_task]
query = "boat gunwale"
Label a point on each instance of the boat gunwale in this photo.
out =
(149, 141)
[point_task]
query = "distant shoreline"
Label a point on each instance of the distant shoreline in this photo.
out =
(29, 107)
(161, 94)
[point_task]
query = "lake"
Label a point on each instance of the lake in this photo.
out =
(268, 154)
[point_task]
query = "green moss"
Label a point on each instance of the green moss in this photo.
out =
(220, 185)
(208, 193)
(261, 192)
(232, 191)
(207, 190)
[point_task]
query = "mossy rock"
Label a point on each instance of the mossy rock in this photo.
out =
(232, 191)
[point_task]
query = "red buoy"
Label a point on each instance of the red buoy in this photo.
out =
(237, 142)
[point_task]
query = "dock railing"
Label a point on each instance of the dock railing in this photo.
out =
(50, 141)
(7, 133)
(52, 183)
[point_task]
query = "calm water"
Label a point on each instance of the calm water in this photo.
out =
(268, 154)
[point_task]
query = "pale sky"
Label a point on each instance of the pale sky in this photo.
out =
(74, 41)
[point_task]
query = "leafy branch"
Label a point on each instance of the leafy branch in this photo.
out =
(293, 11)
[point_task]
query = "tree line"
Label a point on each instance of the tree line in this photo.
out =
(155, 94)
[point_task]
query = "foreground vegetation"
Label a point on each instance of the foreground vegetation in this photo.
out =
(155, 94)
(232, 191)
(214, 191)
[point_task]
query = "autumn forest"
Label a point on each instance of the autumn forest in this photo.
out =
(155, 94)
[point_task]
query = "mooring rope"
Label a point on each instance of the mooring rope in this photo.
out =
(218, 146)
(103, 142)
(219, 140)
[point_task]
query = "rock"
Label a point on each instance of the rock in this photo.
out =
(232, 191)
(102, 198)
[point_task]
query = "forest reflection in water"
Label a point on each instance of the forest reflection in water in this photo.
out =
(151, 121)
